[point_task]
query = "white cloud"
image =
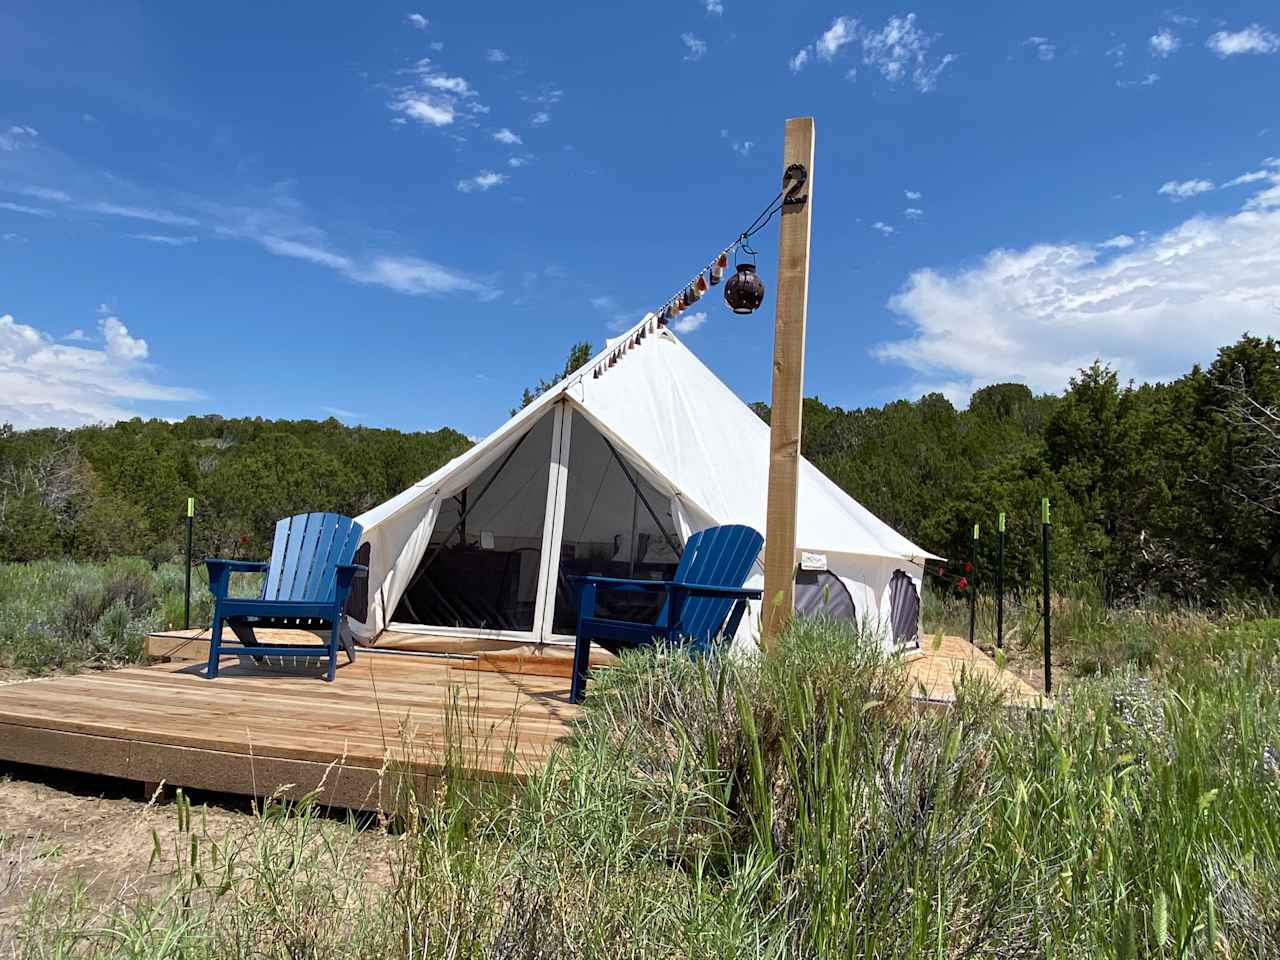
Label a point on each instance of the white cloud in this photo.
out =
(539, 118)
(24, 208)
(882, 227)
(742, 147)
(714, 6)
(898, 50)
(843, 31)
(485, 180)
(913, 213)
(517, 162)
(912, 194)
(1045, 50)
(45, 193)
(342, 413)
(1253, 176)
(1040, 313)
(417, 21)
(46, 383)
(312, 253)
(1252, 39)
(902, 48)
(76, 335)
(494, 55)
(164, 239)
(689, 322)
(695, 49)
(1116, 54)
(437, 99)
(1150, 80)
(1164, 43)
(152, 215)
(437, 45)
(17, 137)
(507, 136)
(1120, 241)
(1184, 189)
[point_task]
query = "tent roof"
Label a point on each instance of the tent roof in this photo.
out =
(666, 410)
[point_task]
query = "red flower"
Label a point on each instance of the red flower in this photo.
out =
(962, 584)
(244, 539)
(968, 568)
(941, 572)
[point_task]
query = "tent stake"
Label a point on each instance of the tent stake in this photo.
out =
(186, 598)
(973, 587)
(1044, 562)
(1000, 584)
(787, 402)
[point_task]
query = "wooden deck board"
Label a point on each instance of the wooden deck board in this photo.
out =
(256, 729)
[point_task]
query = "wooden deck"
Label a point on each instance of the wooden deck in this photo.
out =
(389, 718)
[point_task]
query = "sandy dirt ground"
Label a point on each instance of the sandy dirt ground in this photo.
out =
(59, 830)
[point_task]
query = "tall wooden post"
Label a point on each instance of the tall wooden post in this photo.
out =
(788, 377)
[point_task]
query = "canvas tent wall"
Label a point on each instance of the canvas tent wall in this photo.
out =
(608, 471)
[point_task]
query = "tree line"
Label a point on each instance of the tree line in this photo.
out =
(1169, 489)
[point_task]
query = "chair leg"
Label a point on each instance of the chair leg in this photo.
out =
(581, 661)
(215, 644)
(333, 652)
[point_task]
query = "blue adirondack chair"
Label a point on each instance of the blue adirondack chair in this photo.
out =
(704, 601)
(307, 581)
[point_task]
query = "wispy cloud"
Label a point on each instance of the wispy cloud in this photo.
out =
(883, 227)
(164, 239)
(1121, 241)
(520, 161)
(913, 213)
(715, 7)
(1116, 54)
(1254, 38)
(17, 137)
(342, 414)
(1164, 43)
(539, 118)
(494, 55)
(695, 49)
(1150, 80)
(843, 31)
(45, 193)
(507, 136)
(1184, 189)
(689, 322)
(742, 147)
(417, 21)
(24, 208)
(798, 62)
(912, 194)
(485, 180)
(1045, 50)
(150, 214)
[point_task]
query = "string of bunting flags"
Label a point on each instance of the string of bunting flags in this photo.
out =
(743, 292)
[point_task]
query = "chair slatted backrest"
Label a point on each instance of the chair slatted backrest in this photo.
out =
(715, 557)
(304, 553)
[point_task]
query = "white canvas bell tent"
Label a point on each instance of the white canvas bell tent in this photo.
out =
(608, 473)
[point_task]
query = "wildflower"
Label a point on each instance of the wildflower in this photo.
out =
(962, 584)
(968, 568)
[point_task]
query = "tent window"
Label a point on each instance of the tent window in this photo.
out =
(616, 524)
(820, 593)
(904, 608)
(480, 569)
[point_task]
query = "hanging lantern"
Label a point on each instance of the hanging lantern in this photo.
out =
(718, 268)
(744, 291)
(692, 294)
(701, 285)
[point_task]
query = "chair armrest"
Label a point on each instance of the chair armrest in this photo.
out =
(347, 574)
(704, 589)
(616, 582)
(220, 573)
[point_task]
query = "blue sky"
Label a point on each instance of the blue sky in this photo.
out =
(402, 214)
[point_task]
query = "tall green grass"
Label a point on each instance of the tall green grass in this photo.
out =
(789, 806)
(61, 614)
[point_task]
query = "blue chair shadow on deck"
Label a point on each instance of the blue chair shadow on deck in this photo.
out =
(307, 581)
(704, 601)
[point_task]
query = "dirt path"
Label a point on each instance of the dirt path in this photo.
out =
(59, 830)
